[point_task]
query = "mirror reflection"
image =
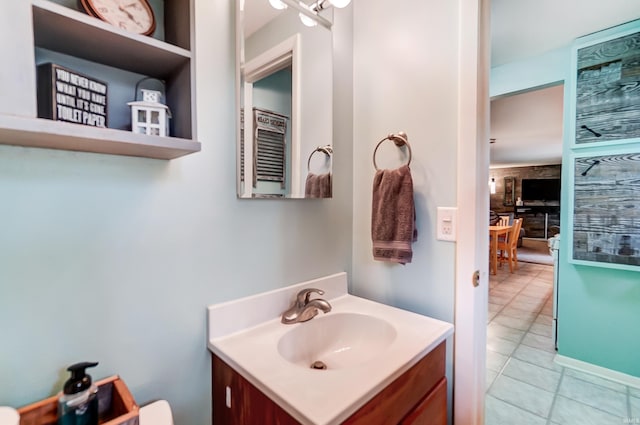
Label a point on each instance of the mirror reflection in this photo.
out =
(285, 100)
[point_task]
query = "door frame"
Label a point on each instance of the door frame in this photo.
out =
(472, 255)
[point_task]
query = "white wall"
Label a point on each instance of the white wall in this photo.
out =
(114, 259)
(405, 78)
(528, 128)
(543, 70)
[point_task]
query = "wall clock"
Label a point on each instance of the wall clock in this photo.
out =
(130, 15)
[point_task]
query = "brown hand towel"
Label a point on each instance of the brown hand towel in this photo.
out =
(393, 216)
(318, 186)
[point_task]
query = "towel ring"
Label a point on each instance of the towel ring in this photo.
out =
(400, 139)
(327, 150)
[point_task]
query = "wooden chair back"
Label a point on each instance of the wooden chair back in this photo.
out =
(515, 233)
(504, 220)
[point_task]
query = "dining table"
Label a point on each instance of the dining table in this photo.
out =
(494, 233)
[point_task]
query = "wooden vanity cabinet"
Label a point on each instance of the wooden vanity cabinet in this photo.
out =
(417, 397)
(248, 405)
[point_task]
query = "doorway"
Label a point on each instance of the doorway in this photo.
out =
(525, 154)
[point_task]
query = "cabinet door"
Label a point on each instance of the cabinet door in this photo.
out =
(393, 403)
(245, 404)
(432, 410)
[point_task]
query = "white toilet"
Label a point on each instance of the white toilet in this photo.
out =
(9, 416)
(156, 413)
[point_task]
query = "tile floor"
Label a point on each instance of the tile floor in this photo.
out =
(524, 385)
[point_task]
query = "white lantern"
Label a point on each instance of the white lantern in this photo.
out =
(149, 116)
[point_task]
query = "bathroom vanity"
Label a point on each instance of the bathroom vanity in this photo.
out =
(383, 364)
(418, 396)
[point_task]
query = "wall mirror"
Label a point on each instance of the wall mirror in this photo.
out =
(284, 96)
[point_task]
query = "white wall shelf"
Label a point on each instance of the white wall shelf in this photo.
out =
(51, 26)
(67, 31)
(43, 133)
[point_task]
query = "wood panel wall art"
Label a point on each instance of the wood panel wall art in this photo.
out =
(608, 90)
(606, 216)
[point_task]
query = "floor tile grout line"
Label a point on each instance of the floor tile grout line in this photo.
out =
(518, 344)
(520, 380)
(505, 305)
(598, 385)
(510, 356)
(629, 403)
(562, 372)
(534, 364)
(587, 405)
(532, 321)
(556, 393)
(525, 382)
(564, 369)
(530, 363)
(517, 407)
(555, 396)
(498, 375)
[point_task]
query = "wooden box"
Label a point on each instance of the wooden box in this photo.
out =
(115, 404)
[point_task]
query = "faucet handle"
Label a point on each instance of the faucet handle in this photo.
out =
(304, 295)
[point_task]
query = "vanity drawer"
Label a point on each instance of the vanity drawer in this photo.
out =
(432, 410)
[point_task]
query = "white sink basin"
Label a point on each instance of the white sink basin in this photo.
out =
(337, 340)
(364, 344)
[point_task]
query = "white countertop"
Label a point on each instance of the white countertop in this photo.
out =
(312, 396)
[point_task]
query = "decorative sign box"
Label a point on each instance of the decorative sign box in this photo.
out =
(66, 95)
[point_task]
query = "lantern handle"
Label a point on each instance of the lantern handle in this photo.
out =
(164, 87)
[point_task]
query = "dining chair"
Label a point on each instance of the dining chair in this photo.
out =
(504, 221)
(508, 248)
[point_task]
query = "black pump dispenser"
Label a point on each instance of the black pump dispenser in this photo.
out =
(79, 380)
(78, 400)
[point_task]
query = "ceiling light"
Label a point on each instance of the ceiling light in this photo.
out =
(340, 3)
(324, 4)
(307, 20)
(309, 13)
(277, 4)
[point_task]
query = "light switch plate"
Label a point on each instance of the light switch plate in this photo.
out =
(446, 223)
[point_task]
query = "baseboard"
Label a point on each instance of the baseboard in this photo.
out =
(602, 372)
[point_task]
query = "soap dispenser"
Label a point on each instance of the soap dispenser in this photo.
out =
(78, 401)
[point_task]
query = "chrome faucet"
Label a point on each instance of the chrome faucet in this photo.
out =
(303, 308)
